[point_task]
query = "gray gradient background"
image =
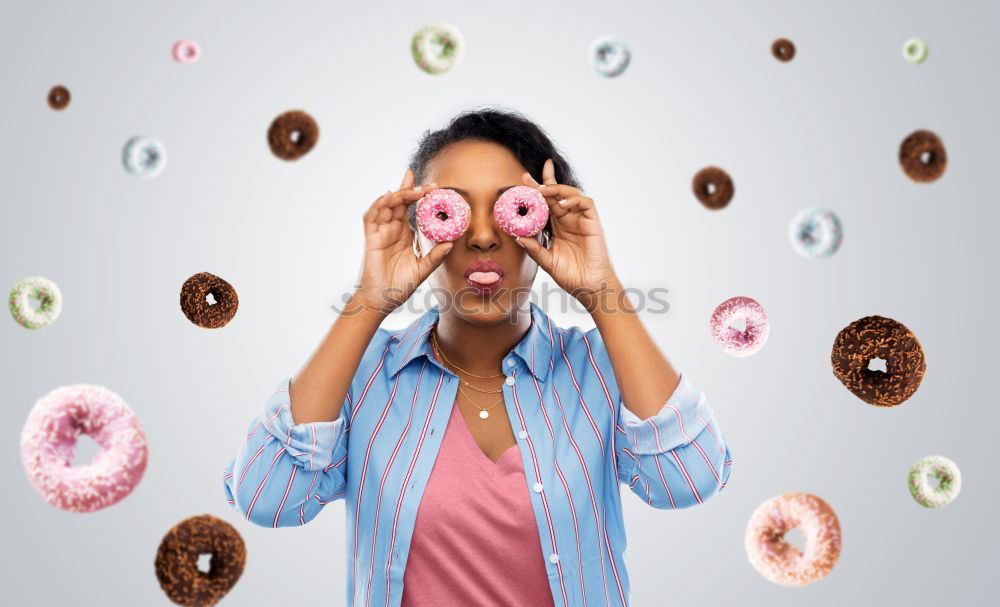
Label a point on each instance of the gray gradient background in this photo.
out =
(703, 88)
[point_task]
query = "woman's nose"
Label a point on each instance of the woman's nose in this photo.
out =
(483, 233)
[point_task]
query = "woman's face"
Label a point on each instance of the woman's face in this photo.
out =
(480, 171)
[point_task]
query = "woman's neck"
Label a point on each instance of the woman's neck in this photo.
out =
(478, 348)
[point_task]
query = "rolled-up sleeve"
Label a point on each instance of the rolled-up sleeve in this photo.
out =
(284, 473)
(676, 458)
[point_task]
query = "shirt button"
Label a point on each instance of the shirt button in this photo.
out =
(554, 557)
(510, 380)
(510, 362)
(537, 487)
(522, 434)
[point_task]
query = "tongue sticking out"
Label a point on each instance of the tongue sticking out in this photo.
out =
(484, 278)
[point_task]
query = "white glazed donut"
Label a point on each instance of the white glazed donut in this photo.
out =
(947, 474)
(42, 290)
(609, 56)
(437, 48)
(816, 233)
(144, 156)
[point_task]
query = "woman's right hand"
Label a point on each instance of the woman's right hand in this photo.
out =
(390, 272)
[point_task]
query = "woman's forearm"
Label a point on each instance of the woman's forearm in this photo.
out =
(646, 379)
(318, 390)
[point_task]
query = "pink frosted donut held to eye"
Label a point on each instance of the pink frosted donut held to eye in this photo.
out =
(521, 211)
(443, 215)
(732, 340)
(48, 442)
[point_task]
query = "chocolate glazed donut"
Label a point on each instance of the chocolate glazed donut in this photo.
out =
(783, 49)
(922, 156)
(197, 308)
(713, 187)
(292, 135)
(58, 97)
(876, 337)
(177, 560)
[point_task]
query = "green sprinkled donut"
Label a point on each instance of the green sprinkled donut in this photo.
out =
(43, 291)
(915, 50)
(437, 48)
(940, 468)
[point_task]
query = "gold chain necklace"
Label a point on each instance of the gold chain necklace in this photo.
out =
(483, 413)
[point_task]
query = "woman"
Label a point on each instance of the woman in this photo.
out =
(451, 498)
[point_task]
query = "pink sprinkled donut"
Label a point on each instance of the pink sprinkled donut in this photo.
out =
(442, 215)
(186, 51)
(48, 442)
(781, 562)
(521, 211)
(733, 340)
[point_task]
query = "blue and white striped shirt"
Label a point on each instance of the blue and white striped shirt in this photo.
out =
(577, 442)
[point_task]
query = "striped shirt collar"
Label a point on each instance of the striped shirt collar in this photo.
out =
(535, 348)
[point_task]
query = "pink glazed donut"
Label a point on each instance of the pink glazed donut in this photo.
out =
(186, 51)
(731, 339)
(442, 215)
(521, 211)
(780, 561)
(48, 442)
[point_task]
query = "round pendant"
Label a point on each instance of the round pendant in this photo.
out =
(484, 414)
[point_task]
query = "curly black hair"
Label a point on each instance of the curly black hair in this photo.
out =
(511, 129)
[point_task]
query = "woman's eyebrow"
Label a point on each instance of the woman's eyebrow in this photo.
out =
(466, 194)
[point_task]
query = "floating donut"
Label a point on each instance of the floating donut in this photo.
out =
(940, 468)
(878, 338)
(144, 156)
(521, 211)
(202, 312)
(915, 50)
(783, 49)
(292, 135)
(45, 293)
(443, 215)
(186, 51)
(922, 156)
(609, 56)
(48, 442)
(816, 233)
(437, 48)
(733, 341)
(713, 187)
(177, 560)
(781, 562)
(58, 97)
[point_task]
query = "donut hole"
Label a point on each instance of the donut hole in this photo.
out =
(934, 481)
(150, 157)
(295, 136)
(878, 365)
(710, 188)
(210, 299)
(205, 562)
(36, 301)
(442, 216)
(739, 324)
(926, 157)
(796, 538)
(85, 450)
(522, 210)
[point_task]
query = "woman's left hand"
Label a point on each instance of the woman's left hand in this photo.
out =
(578, 259)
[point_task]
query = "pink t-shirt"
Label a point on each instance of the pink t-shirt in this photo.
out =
(475, 540)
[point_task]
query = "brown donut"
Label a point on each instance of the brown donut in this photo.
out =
(874, 337)
(177, 560)
(922, 156)
(292, 135)
(195, 305)
(713, 187)
(58, 97)
(783, 49)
